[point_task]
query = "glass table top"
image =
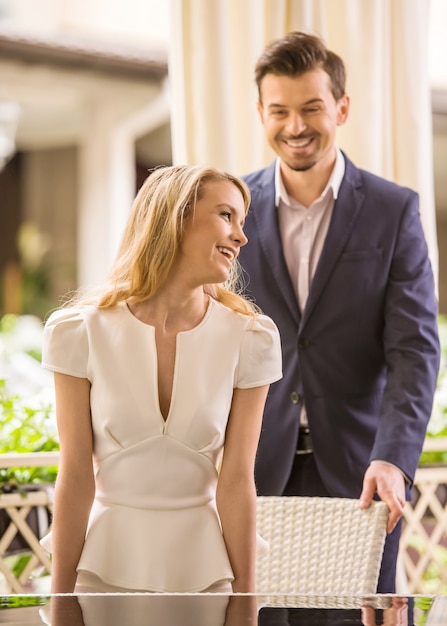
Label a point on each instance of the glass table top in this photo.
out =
(221, 610)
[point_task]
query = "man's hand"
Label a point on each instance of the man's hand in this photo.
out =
(388, 482)
(395, 615)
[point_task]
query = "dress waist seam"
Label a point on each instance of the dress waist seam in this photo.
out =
(111, 503)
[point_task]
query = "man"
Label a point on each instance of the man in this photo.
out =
(337, 257)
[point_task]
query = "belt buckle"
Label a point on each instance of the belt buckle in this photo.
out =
(304, 445)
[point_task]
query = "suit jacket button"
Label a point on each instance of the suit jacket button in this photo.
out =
(294, 397)
(303, 343)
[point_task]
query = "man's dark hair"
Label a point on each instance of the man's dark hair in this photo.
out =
(297, 53)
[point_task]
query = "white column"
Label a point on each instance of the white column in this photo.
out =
(95, 198)
(143, 121)
(107, 181)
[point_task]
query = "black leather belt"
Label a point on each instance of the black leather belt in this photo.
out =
(304, 445)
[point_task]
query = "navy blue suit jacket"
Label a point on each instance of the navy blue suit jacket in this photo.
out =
(364, 354)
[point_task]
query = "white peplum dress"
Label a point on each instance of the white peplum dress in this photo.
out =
(154, 525)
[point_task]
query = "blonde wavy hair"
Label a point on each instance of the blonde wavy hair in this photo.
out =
(153, 235)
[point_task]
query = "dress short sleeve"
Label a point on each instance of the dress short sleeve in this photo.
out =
(65, 343)
(260, 361)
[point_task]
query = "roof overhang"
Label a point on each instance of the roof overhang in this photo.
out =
(80, 53)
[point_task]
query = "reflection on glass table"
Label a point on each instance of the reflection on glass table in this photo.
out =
(222, 610)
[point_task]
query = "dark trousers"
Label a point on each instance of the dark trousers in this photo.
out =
(277, 616)
(305, 480)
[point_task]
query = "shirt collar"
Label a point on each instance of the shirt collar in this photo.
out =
(334, 181)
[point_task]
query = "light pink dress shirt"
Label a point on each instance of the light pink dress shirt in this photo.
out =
(303, 229)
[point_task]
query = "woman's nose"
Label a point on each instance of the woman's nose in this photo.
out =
(240, 237)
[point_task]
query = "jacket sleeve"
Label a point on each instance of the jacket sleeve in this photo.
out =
(411, 346)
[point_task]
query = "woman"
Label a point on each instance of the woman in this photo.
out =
(160, 387)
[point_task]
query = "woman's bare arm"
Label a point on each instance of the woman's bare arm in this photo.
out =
(236, 492)
(75, 485)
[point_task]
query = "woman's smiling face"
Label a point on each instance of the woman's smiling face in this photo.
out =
(213, 234)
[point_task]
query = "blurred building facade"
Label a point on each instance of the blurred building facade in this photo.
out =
(84, 89)
(84, 100)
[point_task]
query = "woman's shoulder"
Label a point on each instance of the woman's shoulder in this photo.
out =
(65, 346)
(260, 361)
(256, 322)
(83, 320)
(70, 316)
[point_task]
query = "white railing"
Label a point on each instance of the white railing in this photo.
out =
(32, 459)
(24, 518)
(423, 546)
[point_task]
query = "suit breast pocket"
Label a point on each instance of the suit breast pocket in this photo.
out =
(359, 278)
(363, 255)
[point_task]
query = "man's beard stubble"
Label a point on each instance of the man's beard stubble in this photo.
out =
(300, 168)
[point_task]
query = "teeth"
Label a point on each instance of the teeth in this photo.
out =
(228, 253)
(298, 144)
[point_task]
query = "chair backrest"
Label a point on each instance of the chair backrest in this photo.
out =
(319, 545)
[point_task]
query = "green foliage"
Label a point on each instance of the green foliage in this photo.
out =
(422, 606)
(17, 601)
(433, 579)
(17, 563)
(25, 429)
(8, 323)
(438, 457)
(21, 334)
(437, 426)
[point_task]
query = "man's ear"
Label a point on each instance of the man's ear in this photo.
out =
(343, 110)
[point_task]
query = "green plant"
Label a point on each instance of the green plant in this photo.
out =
(26, 401)
(437, 426)
(25, 429)
(422, 606)
(16, 601)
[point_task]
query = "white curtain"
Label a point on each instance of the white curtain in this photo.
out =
(213, 50)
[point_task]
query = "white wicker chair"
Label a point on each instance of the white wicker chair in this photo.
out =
(319, 545)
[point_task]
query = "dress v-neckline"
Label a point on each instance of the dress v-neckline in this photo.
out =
(176, 356)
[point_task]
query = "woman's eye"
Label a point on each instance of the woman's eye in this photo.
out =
(226, 215)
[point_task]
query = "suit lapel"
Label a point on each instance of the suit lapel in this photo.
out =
(267, 227)
(346, 210)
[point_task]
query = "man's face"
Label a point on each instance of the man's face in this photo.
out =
(300, 116)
